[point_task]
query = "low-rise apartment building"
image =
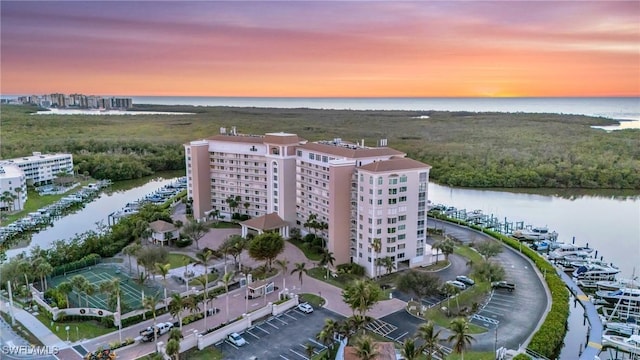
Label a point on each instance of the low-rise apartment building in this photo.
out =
(13, 187)
(40, 169)
(359, 193)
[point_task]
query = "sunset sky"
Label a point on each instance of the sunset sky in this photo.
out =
(323, 48)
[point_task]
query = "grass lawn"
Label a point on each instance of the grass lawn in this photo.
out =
(472, 355)
(437, 266)
(77, 329)
(342, 280)
(210, 353)
(468, 253)
(311, 254)
(225, 225)
(178, 260)
(314, 300)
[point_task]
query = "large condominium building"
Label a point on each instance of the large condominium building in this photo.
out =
(41, 168)
(372, 200)
(13, 187)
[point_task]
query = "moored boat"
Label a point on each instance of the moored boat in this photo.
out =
(628, 344)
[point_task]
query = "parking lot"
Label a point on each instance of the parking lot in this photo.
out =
(500, 304)
(283, 337)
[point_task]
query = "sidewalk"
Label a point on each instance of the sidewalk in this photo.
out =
(34, 326)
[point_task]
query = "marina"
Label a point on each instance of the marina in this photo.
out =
(583, 273)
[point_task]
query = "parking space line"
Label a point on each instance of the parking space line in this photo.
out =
(492, 312)
(499, 306)
(282, 321)
(297, 353)
(284, 357)
(317, 343)
(252, 334)
(270, 324)
(257, 326)
(294, 318)
(401, 336)
(504, 301)
(229, 342)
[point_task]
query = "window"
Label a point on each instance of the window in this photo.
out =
(423, 176)
(401, 237)
(299, 153)
(401, 256)
(403, 189)
(380, 180)
(379, 201)
(402, 199)
(311, 156)
(401, 227)
(391, 220)
(391, 249)
(393, 181)
(391, 230)
(402, 217)
(401, 246)
(393, 191)
(393, 201)
(378, 231)
(379, 221)
(403, 179)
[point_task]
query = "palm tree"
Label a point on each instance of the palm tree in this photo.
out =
(150, 303)
(461, 338)
(42, 269)
(283, 265)
(65, 288)
(331, 327)
(365, 348)
(112, 289)
(203, 258)
(130, 250)
(409, 349)
(309, 349)
(173, 348)
(446, 246)
(327, 259)
(431, 338)
(226, 280)
(176, 306)
(301, 269)
(206, 298)
(163, 270)
(78, 284)
(89, 290)
(388, 264)
(361, 295)
(18, 190)
(325, 338)
(376, 245)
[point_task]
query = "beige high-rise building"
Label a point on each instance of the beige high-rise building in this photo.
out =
(358, 193)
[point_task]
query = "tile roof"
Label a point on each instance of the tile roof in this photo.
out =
(265, 222)
(161, 226)
(353, 152)
(394, 164)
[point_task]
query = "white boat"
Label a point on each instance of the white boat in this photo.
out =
(617, 284)
(623, 328)
(535, 233)
(588, 274)
(567, 250)
(623, 304)
(628, 344)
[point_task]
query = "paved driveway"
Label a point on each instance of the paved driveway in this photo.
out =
(283, 337)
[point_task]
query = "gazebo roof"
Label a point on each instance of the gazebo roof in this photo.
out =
(161, 226)
(265, 222)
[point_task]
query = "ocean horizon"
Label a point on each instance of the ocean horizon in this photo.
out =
(626, 109)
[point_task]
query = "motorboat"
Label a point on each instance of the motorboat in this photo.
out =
(588, 274)
(535, 233)
(628, 344)
(623, 328)
(567, 250)
(629, 296)
(618, 284)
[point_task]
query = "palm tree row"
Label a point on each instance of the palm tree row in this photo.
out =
(430, 339)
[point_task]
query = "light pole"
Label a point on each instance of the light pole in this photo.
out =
(67, 328)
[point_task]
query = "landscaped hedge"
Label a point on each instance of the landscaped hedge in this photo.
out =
(548, 340)
(88, 260)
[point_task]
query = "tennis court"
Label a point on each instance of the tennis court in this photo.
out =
(131, 292)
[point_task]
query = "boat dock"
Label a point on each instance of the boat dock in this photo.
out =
(594, 344)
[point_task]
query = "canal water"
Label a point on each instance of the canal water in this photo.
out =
(96, 212)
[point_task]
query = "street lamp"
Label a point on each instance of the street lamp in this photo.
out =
(67, 328)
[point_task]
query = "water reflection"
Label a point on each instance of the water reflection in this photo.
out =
(609, 222)
(95, 213)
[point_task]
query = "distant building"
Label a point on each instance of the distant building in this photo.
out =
(13, 181)
(40, 169)
(79, 101)
(358, 195)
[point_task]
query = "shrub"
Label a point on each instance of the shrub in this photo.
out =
(522, 357)
(351, 268)
(181, 243)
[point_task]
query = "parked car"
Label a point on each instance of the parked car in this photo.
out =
(503, 285)
(305, 308)
(236, 339)
(457, 284)
(465, 280)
